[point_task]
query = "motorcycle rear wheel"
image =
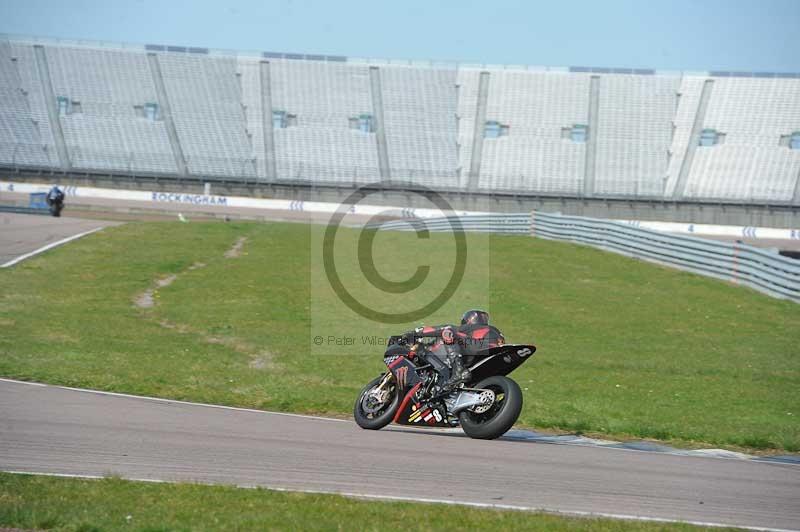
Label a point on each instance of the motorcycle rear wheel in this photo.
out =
(501, 416)
(384, 416)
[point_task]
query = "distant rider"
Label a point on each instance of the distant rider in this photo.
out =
(473, 335)
(55, 200)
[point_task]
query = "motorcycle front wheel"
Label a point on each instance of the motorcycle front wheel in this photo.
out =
(375, 410)
(501, 416)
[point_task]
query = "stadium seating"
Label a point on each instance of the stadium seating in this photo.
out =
(688, 102)
(634, 133)
(752, 113)
(107, 134)
(206, 101)
(419, 107)
(468, 82)
(25, 135)
(332, 120)
(320, 146)
(533, 156)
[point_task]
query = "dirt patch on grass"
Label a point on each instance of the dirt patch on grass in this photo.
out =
(147, 298)
(59, 337)
(166, 281)
(183, 329)
(236, 248)
(259, 359)
(263, 361)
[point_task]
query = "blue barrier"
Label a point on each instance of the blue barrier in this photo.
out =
(38, 200)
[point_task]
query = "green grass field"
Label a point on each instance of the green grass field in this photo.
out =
(113, 504)
(625, 348)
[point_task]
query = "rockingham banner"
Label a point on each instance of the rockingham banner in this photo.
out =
(369, 210)
(227, 201)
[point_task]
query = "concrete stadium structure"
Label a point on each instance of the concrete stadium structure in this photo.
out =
(598, 141)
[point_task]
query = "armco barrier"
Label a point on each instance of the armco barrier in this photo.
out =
(769, 273)
(478, 223)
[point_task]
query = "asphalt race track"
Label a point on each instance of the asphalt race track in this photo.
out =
(24, 233)
(49, 429)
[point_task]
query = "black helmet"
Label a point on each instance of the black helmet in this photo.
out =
(475, 317)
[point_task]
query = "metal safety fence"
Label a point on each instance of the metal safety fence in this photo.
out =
(760, 269)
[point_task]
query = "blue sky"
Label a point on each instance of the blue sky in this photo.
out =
(677, 35)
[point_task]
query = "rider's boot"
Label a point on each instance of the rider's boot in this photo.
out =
(458, 373)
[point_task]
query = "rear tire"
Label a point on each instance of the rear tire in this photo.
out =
(381, 418)
(500, 417)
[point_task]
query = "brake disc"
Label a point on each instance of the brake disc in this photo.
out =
(374, 400)
(486, 398)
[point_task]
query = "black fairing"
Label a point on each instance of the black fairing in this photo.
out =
(437, 357)
(396, 350)
(500, 360)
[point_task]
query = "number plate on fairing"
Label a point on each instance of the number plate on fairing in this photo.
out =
(422, 415)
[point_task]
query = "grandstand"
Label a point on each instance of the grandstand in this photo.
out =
(576, 132)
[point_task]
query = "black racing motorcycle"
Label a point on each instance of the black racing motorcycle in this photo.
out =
(55, 202)
(409, 393)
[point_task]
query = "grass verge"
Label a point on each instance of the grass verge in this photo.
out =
(40, 502)
(625, 347)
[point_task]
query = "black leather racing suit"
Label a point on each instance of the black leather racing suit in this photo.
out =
(460, 342)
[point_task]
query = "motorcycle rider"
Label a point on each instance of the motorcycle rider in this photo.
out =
(55, 200)
(473, 335)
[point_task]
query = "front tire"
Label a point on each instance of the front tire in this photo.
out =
(501, 416)
(383, 416)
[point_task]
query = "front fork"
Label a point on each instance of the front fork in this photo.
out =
(386, 380)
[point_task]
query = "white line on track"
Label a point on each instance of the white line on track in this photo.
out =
(51, 245)
(392, 498)
(24, 382)
(174, 401)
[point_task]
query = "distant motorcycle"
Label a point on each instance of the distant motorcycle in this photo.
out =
(55, 201)
(409, 392)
